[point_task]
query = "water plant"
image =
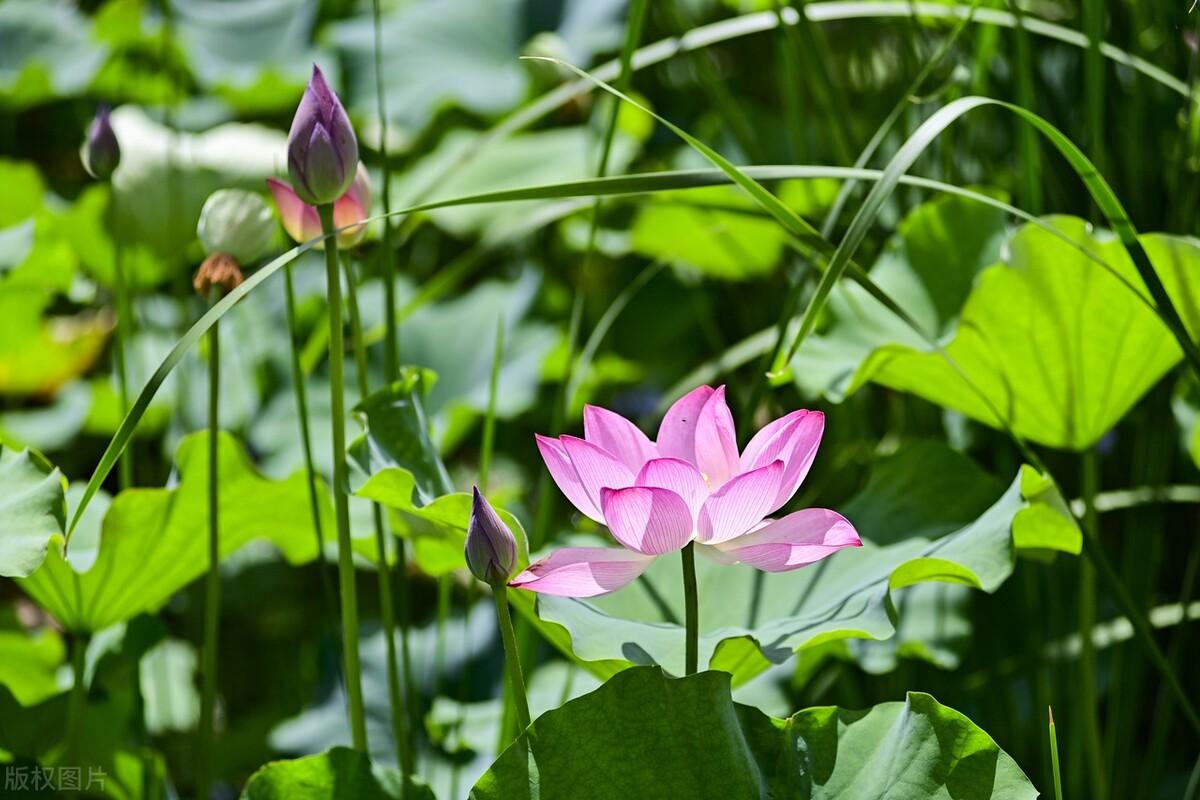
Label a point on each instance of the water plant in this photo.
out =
(711, 399)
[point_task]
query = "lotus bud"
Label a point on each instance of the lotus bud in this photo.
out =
(219, 270)
(236, 222)
(491, 547)
(302, 222)
(322, 148)
(101, 152)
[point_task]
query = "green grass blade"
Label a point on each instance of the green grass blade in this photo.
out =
(1058, 793)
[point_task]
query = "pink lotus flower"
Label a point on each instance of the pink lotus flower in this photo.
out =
(302, 223)
(691, 484)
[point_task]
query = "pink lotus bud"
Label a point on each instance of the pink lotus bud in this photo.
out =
(302, 222)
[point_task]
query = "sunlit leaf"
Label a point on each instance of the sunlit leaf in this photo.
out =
(154, 541)
(339, 774)
(29, 664)
(32, 510)
(595, 748)
(1060, 344)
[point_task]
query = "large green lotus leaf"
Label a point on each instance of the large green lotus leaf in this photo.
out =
(153, 542)
(338, 773)
(475, 726)
(39, 352)
(848, 595)
(456, 339)
(462, 729)
(463, 53)
(719, 243)
(49, 50)
(255, 54)
(644, 734)
(1186, 404)
(924, 490)
(717, 230)
(165, 177)
(560, 154)
(1059, 345)
(29, 664)
(947, 242)
(928, 267)
(32, 510)
(428, 67)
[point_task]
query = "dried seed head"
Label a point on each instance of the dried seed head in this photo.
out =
(220, 270)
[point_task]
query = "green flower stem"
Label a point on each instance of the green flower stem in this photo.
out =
(400, 732)
(77, 701)
(511, 658)
(1089, 717)
(123, 335)
(301, 393)
(691, 613)
(445, 590)
(212, 581)
(337, 402)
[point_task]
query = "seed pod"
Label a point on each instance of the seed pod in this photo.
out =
(236, 222)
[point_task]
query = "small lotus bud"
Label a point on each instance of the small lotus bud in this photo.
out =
(491, 547)
(219, 270)
(322, 148)
(236, 222)
(101, 152)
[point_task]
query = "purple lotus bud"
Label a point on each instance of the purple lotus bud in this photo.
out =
(322, 148)
(491, 546)
(101, 152)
